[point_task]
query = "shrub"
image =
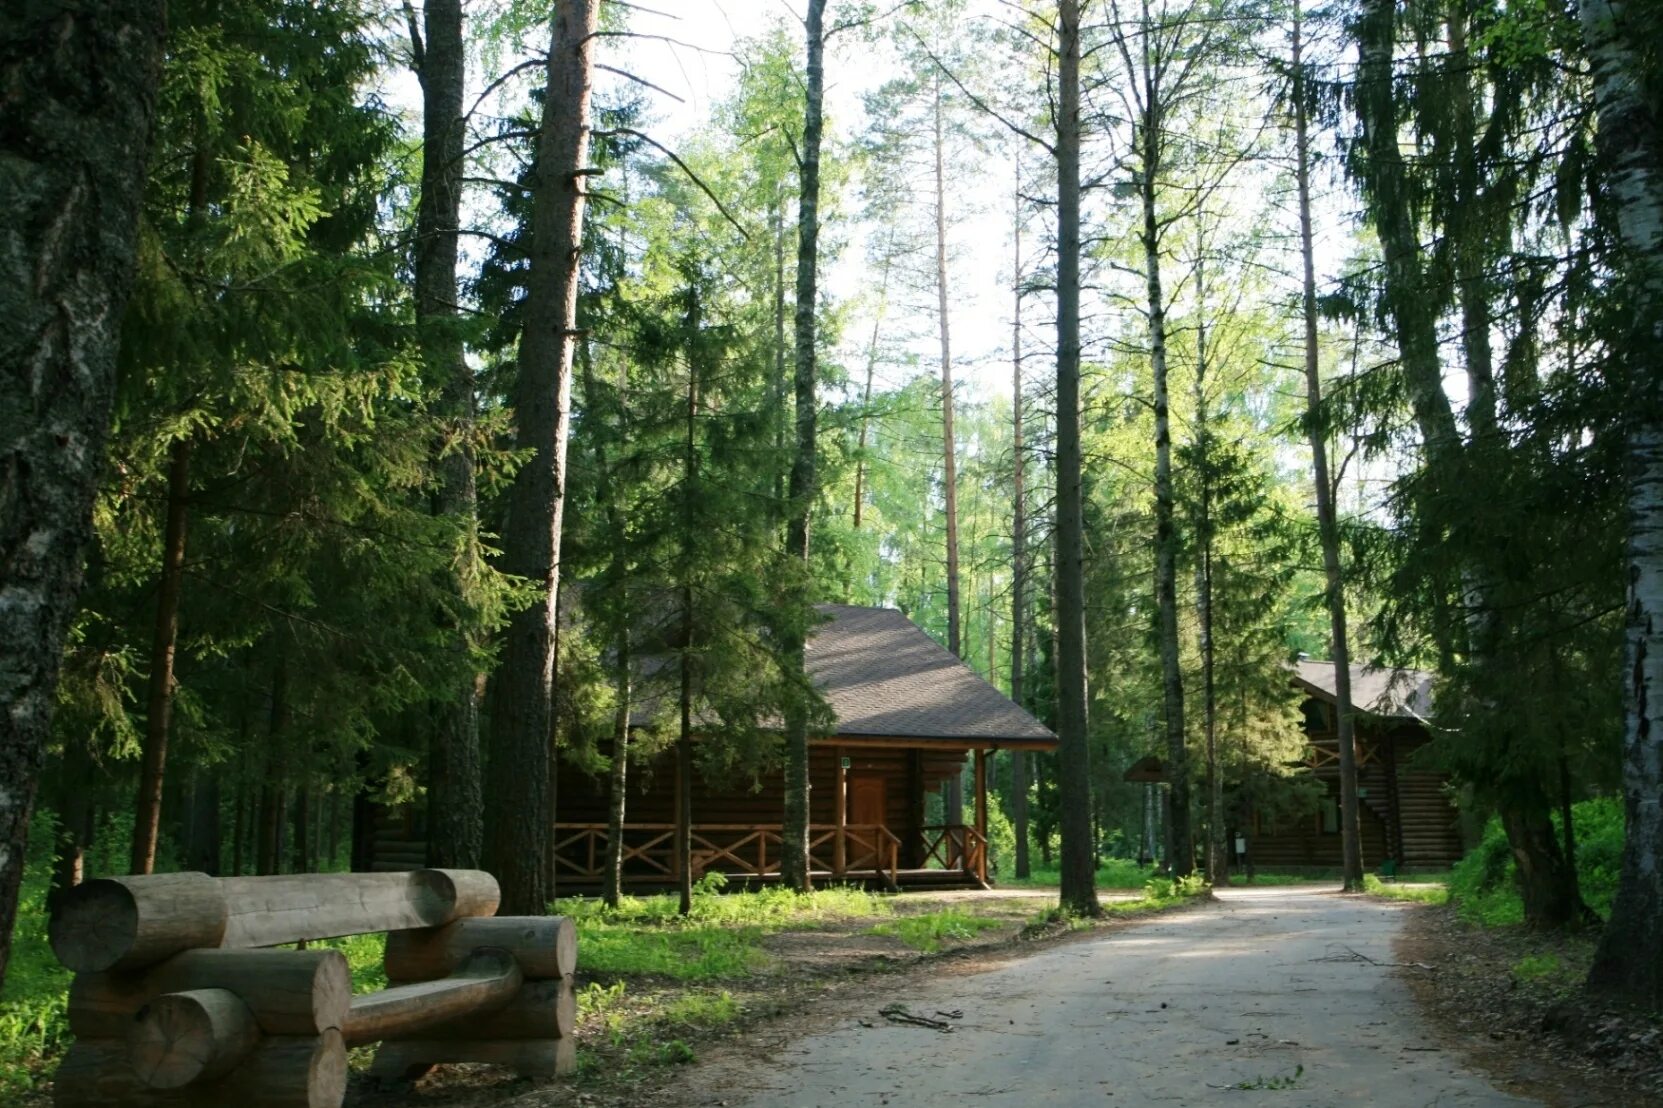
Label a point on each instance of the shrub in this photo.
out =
(1484, 887)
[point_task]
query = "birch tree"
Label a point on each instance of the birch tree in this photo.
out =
(1622, 48)
(80, 86)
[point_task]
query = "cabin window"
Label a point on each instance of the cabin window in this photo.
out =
(1316, 716)
(1330, 816)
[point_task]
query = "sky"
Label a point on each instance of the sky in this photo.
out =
(698, 67)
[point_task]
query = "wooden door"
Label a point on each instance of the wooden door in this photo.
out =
(866, 800)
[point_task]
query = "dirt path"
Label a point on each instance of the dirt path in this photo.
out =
(1277, 996)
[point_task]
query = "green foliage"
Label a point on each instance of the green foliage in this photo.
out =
(1483, 883)
(1538, 967)
(927, 931)
(34, 1020)
(720, 938)
(1428, 893)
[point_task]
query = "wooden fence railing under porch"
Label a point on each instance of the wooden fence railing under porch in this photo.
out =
(735, 848)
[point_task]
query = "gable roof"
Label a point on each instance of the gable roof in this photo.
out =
(885, 678)
(1388, 693)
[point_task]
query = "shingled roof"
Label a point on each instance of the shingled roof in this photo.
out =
(885, 678)
(1390, 693)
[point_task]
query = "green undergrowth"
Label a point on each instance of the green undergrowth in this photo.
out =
(1422, 891)
(928, 930)
(638, 1028)
(1483, 885)
(1121, 874)
(34, 1019)
(720, 938)
(1112, 873)
(1158, 893)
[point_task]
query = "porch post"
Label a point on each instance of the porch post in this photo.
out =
(839, 851)
(912, 846)
(981, 811)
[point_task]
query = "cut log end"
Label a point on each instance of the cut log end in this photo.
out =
(544, 946)
(131, 922)
(179, 1039)
(463, 893)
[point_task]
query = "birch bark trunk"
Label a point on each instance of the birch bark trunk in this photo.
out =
(1019, 546)
(76, 112)
(520, 813)
(1629, 961)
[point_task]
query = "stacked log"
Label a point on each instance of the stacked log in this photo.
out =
(169, 1005)
(531, 1031)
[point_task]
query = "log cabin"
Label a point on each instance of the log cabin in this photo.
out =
(1407, 812)
(908, 717)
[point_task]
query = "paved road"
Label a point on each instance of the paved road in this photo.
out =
(1219, 1006)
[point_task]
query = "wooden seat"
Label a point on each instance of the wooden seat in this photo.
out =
(171, 1006)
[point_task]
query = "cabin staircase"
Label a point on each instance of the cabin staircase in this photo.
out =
(1430, 835)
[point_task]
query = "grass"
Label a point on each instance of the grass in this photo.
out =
(1425, 891)
(720, 938)
(927, 931)
(1120, 874)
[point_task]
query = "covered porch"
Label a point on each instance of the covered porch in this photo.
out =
(910, 720)
(868, 810)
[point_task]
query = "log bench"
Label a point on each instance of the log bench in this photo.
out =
(175, 1001)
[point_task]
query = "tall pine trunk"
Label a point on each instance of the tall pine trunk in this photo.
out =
(454, 802)
(1019, 547)
(1215, 868)
(1629, 961)
(954, 814)
(519, 805)
(1327, 518)
(1182, 858)
(80, 85)
(794, 832)
(147, 812)
(1078, 891)
(866, 393)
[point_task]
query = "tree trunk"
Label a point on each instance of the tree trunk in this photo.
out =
(794, 833)
(454, 801)
(1327, 520)
(203, 851)
(80, 85)
(302, 843)
(519, 808)
(1019, 551)
(1629, 961)
(75, 815)
(684, 740)
(613, 883)
(866, 394)
(1166, 536)
(1078, 892)
(1216, 872)
(147, 813)
(954, 814)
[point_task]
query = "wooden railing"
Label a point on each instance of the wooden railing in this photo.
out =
(731, 848)
(954, 846)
